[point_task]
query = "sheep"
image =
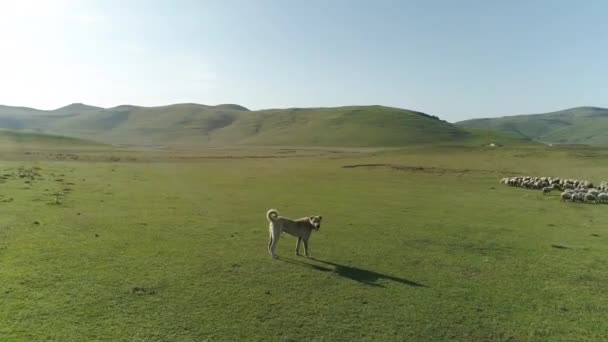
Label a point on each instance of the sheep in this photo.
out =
(576, 190)
(589, 198)
(577, 197)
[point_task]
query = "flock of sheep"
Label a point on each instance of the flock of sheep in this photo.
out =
(572, 189)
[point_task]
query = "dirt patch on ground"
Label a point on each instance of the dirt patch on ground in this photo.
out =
(413, 168)
(142, 291)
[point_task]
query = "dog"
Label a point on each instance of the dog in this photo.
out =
(300, 228)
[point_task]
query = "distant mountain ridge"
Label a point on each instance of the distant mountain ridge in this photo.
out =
(232, 124)
(580, 125)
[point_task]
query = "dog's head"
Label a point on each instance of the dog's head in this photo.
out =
(315, 221)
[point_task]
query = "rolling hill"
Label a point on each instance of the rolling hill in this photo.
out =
(231, 124)
(581, 125)
(14, 140)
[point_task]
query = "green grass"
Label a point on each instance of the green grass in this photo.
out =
(171, 246)
(582, 125)
(195, 125)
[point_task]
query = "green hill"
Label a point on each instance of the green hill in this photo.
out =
(230, 124)
(581, 125)
(12, 140)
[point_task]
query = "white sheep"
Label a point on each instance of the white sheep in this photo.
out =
(577, 197)
(589, 198)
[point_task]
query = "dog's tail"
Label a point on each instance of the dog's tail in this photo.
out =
(272, 215)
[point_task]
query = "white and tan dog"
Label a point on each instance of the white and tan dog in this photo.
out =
(300, 228)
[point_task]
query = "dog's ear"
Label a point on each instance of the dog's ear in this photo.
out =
(320, 217)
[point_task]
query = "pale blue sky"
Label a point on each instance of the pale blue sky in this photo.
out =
(454, 59)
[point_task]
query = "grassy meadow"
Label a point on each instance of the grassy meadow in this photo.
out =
(103, 244)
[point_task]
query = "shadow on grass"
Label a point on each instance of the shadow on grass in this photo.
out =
(353, 273)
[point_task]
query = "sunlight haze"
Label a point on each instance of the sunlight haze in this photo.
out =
(454, 60)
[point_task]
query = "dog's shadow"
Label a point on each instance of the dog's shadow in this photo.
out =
(354, 273)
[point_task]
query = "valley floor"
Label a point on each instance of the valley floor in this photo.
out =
(416, 244)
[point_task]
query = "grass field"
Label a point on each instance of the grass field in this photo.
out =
(161, 245)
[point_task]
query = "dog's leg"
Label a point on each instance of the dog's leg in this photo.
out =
(298, 245)
(275, 235)
(305, 239)
(270, 243)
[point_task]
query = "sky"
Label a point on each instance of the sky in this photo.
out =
(454, 59)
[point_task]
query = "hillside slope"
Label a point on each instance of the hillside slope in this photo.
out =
(581, 125)
(231, 124)
(10, 140)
